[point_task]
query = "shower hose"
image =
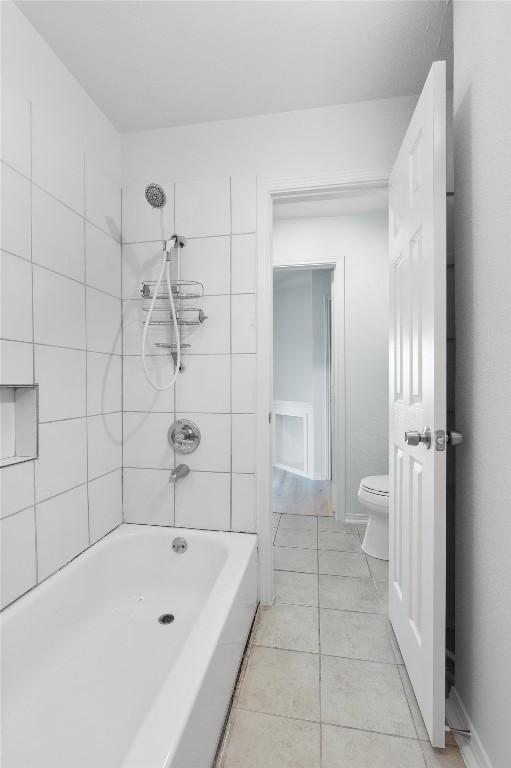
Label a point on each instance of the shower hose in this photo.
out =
(165, 270)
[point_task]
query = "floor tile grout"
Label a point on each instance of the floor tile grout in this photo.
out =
(320, 654)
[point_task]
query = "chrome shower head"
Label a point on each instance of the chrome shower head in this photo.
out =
(155, 195)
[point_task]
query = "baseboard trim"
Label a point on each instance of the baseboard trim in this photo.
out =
(472, 750)
(356, 519)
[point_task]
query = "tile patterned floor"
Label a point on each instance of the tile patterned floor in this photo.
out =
(323, 684)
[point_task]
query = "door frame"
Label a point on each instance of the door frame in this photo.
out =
(267, 191)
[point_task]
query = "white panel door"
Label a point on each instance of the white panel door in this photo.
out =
(418, 400)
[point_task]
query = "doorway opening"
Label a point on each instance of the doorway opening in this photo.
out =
(330, 351)
(302, 385)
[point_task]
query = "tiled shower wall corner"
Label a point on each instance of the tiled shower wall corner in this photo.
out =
(216, 389)
(61, 328)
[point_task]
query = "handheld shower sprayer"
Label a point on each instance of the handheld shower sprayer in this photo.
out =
(156, 197)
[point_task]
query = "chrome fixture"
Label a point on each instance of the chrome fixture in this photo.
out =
(184, 436)
(155, 195)
(415, 438)
(181, 471)
(179, 545)
(447, 438)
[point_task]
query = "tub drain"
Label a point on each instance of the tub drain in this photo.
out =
(166, 618)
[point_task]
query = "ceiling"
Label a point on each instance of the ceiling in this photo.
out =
(151, 64)
(342, 204)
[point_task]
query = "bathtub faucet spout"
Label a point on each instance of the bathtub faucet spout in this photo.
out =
(182, 470)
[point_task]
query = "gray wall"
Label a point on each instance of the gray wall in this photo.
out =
(482, 147)
(292, 335)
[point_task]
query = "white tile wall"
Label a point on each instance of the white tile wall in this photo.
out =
(15, 129)
(103, 261)
(140, 261)
(105, 504)
(103, 326)
(16, 488)
(243, 193)
(207, 260)
(57, 250)
(243, 442)
(18, 555)
(15, 228)
(102, 200)
(140, 222)
(244, 503)
(243, 383)
(138, 394)
(62, 462)
(204, 385)
(217, 386)
(16, 362)
(148, 496)
(203, 208)
(145, 440)
(243, 323)
(16, 304)
(59, 310)
(214, 451)
(243, 264)
(61, 375)
(203, 501)
(57, 236)
(57, 159)
(104, 443)
(104, 377)
(62, 530)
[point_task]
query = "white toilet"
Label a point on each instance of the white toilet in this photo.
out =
(373, 494)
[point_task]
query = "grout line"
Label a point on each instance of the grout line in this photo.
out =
(36, 547)
(230, 344)
(123, 516)
(64, 565)
(63, 274)
(320, 654)
(86, 346)
(61, 346)
(74, 487)
(187, 237)
(76, 418)
(334, 725)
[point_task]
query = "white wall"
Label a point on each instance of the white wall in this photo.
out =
(360, 243)
(482, 156)
(61, 310)
(348, 136)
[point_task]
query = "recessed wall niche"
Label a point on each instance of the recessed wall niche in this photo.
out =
(18, 423)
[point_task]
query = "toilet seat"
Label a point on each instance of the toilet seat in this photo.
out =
(377, 484)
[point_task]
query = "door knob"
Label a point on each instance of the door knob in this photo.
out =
(413, 437)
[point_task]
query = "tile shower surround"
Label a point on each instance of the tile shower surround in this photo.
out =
(217, 218)
(61, 328)
(71, 278)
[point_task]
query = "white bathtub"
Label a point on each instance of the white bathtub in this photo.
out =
(91, 679)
